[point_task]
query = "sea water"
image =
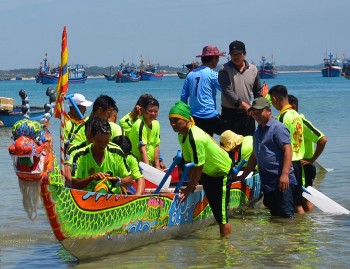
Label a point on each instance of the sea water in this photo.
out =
(316, 240)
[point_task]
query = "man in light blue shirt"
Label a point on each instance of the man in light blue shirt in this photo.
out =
(200, 88)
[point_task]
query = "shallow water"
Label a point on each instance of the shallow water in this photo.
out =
(316, 240)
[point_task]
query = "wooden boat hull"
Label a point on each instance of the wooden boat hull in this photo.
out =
(333, 71)
(92, 224)
(182, 75)
(8, 119)
(145, 75)
(267, 74)
(110, 78)
(53, 79)
(128, 78)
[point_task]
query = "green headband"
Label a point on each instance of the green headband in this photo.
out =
(180, 110)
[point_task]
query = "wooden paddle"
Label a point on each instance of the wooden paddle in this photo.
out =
(323, 202)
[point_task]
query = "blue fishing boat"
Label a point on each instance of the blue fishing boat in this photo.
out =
(267, 69)
(127, 73)
(46, 75)
(9, 118)
(331, 67)
(10, 114)
(150, 71)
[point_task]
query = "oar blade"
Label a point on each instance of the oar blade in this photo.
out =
(154, 175)
(323, 202)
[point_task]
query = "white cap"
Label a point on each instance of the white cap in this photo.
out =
(80, 100)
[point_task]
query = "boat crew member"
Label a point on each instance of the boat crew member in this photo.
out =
(312, 137)
(93, 165)
(212, 165)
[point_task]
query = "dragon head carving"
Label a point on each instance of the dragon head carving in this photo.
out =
(31, 151)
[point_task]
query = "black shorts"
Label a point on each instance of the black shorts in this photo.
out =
(298, 190)
(217, 188)
(309, 173)
(211, 125)
(280, 203)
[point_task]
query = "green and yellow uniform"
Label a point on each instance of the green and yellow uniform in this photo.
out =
(84, 164)
(142, 135)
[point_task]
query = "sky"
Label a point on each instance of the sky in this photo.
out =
(104, 32)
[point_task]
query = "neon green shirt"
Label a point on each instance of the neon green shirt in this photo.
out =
(134, 167)
(292, 120)
(201, 149)
(126, 123)
(311, 136)
(117, 130)
(247, 147)
(141, 135)
(114, 163)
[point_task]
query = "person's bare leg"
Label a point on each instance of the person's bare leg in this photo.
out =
(225, 229)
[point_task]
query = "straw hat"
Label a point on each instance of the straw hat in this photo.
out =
(229, 140)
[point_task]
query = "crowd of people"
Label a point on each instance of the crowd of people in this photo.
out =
(102, 155)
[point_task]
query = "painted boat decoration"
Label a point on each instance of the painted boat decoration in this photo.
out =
(190, 67)
(331, 67)
(90, 224)
(267, 69)
(46, 75)
(150, 71)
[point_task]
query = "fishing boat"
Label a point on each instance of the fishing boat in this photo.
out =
(331, 67)
(10, 113)
(127, 73)
(150, 71)
(183, 74)
(346, 67)
(267, 69)
(90, 224)
(46, 75)
(9, 118)
(110, 77)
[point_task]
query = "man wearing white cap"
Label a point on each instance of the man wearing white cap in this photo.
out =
(74, 116)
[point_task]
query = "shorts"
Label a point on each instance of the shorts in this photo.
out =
(309, 174)
(280, 203)
(217, 191)
(298, 190)
(209, 125)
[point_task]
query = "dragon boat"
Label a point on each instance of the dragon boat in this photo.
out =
(90, 224)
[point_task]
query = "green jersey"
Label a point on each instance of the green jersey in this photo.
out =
(311, 136)
(134, 167)
(201, 149)
(142, 135)
(292, 120)
(117, 130)
(247, 147)
(84, 164)
(126, 123)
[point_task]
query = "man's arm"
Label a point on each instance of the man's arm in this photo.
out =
(283, 183)
(194, 174)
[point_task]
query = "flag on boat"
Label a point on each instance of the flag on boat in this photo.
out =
(62, 85)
